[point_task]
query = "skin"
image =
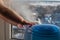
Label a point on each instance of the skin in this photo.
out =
(10, 16)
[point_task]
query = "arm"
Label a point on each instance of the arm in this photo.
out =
(11, 16)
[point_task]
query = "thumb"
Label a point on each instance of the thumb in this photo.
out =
(20, 25)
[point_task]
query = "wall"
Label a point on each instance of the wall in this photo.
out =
(2, 32)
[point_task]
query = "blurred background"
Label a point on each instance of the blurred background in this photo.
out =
(39, 11)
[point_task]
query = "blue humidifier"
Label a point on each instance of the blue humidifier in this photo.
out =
(45, 32)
